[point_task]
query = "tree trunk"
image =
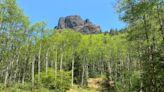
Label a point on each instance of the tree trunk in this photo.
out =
(52, 63)
(87, 72)
(16, 71)
(23, 77)
(56, 64)
(110, 71)
(46, 63)
(73, 61)
(61, 61)
(145, 28)
(82, 76)
(6, 77)
(160, 22)
(33, 71)
(24, 72)
(39, 62)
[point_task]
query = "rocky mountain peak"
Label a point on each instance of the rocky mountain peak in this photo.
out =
(78, 24)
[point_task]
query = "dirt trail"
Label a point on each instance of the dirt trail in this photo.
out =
(93, 84)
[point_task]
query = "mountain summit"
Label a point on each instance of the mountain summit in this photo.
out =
(78, 24)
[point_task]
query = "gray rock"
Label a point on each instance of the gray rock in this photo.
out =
(61, 23)
(73, 21)
(78, 24)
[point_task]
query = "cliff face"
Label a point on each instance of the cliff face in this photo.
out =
(78, 24)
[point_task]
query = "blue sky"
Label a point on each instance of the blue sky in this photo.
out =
(100, 12)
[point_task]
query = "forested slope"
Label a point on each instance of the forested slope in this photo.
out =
(35, 58)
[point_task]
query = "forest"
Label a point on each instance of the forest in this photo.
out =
(35, 58)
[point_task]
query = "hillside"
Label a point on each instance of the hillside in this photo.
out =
(76, 56)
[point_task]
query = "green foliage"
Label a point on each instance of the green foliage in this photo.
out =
(27, 87)
(145, 32)
(58, 83)
(34, 58)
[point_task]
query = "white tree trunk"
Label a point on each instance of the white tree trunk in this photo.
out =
(110, 71)
(56, 64)
(46, 63)
(82, 76)
(6, 77)
(39, 62)
(73, 61)
(33, 67)
(16, 71)
(61, 61)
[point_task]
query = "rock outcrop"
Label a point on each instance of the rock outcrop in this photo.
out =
(78, 24)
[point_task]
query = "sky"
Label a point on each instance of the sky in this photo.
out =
(100, 12)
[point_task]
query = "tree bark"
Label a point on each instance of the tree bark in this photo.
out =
(56, 62)
(110, 70)
(61, 61)
(16, 71)
(6, 77)
(160, 21)
(33, 71)
(82, 76)
(39, 62)
(87, 72)
(73, 61)
(47, 62)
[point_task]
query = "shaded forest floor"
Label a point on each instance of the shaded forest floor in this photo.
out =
(93, 86)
